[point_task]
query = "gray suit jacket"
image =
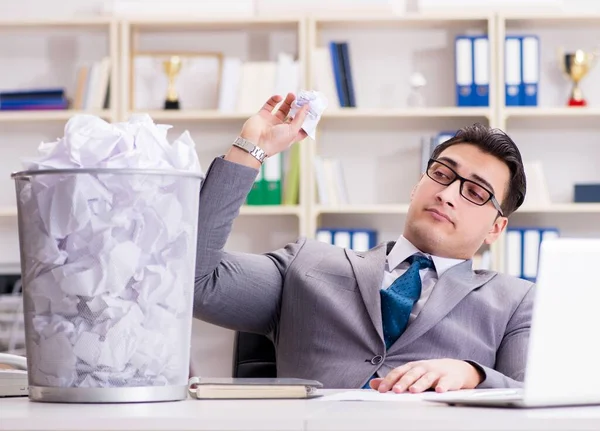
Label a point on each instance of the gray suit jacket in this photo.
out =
(321, 306)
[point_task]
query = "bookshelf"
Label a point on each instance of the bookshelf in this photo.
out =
(380, 136)
(47, 55)
(251, 39)
(562, 138)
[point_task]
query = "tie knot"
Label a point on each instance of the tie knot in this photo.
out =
(420, 261)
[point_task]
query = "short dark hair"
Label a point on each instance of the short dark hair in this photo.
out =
(496, 143)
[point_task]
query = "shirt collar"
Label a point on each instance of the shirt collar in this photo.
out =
(404, 249)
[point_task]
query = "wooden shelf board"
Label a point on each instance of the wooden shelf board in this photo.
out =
(193, 115)
(442, 112)
(552, 112)
(363, 209)
(258, 210)
(50, 115)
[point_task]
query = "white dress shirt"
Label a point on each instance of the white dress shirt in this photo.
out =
(395, 267)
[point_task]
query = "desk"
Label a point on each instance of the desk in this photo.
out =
(286, 415)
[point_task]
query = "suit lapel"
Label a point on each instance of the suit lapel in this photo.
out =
(450, 289)
(368, 269)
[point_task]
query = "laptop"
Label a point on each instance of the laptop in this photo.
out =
(563, 360)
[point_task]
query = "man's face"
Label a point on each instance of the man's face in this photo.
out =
(442, 222)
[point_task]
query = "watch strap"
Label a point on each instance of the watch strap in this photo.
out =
(254, 150)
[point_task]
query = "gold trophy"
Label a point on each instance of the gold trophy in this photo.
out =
(172, 66)
(575, 66)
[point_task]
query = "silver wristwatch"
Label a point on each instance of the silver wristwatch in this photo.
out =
(249, 147)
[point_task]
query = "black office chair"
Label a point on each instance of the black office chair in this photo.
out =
(253, 356)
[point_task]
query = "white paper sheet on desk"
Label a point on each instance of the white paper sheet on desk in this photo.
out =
(372, 395)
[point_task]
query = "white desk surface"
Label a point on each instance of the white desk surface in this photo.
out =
(284, 415)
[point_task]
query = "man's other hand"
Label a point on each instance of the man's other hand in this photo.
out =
(440, 374)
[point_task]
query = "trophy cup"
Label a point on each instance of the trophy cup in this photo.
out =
(575, 66)
(172, 66)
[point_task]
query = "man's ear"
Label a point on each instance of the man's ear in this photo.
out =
(497, 228)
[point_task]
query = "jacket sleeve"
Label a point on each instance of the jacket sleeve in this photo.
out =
(511, 357)
(239, 291)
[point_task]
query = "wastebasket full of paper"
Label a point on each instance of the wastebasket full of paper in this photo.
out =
(107, 219)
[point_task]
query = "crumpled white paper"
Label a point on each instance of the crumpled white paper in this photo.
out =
(109, 257)
(317, 104)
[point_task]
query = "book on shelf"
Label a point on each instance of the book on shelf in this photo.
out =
(323, 78)
(538, 194)
(92, 86)
(278, 180)
(342, 73)
(33, 99)
(331, 185)
(246, 85)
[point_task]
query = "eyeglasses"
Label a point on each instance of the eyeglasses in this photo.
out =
(470, 190)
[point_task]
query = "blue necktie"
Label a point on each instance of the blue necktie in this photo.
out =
(397, 301)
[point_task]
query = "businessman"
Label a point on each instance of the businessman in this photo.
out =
(409, 315)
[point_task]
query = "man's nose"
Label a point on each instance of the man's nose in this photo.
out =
(449, 194)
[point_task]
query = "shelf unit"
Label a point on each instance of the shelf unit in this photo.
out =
(226, 124)
(373, 123)
(92, 24)
(553, 131)
(438, 30)
(81, 39)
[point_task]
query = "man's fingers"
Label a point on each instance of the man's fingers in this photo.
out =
(427, 381)
(395, 375)
(301, 136)
(285, 107)
(447, 383)
(296, 123)
(374, 383)
(409, 378)
(392, 377)
(272, 103)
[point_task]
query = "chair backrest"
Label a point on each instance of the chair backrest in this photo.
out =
(253, 356)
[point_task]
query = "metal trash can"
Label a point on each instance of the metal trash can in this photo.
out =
(107, 261)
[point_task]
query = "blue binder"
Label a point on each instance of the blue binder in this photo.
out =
(523, 250)
(512, 70)
(530, 70)
(481, 71)
(464, 71)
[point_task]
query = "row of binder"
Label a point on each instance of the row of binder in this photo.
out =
(472, 70)
(523, 250)
(353, 239)
(278, 180)
(521, 72)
